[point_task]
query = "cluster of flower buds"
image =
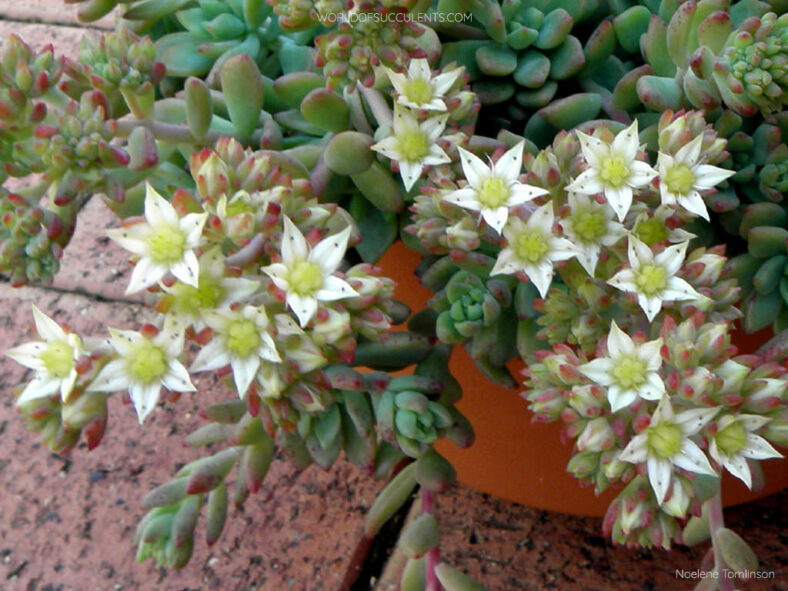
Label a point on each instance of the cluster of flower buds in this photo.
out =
(368, 36)
(25, 76)
(78, 143)
(121, 65)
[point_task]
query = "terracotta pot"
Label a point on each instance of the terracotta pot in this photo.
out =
(523, 462)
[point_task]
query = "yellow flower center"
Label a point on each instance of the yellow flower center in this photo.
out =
(679, 179)
(189, 300)
(305, 278)
(243, 337)
(166, 245)
(146, 362)
(650, 280)
(589, 225)
(531, 246)
(418, 91)
(630, 372)
(413, 145)
(732, 439)
(493, 192)
(613, 171)
(663, 440)
(58, 359)
(651, 231)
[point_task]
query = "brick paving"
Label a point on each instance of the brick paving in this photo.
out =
(67, 523)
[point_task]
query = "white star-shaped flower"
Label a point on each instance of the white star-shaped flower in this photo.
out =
(590, 226)
(532, 247)
(215, 290)
(306, 275)
(735, 441)
(629, 371)
(493, 189)
(413, 144)
(667, 442)
(681, 177)
(653, 277)
(419, 89)
(164, 242)
(613, 169)
(143, 366)
(241, 339)
(53, 360)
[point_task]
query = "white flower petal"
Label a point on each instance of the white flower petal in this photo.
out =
(598, 370)
(692, 459)
(680, 290)
(708, 176)
(335, 288)
(626, 141)
(465, 197)
(303, 307)
(144, 398)
(444, 81)
(244, 371)
(39, 386)
(474, 169)
(635, 452)
(158, 211)
(187, 270)
(694, 203)
(739, 467)
(294, 247)
(660, 475)
(410, 172)
(510, 164)
(689, 153)
(496, 218)
(29, 354)
(593, 148)
(435, 156)
(177, 378)
(145, 274)
(434, 126)
(618, 342)
(620, 199)
(132, 238)
(619, 398)
(642, 174)
(328, 253)
(758, 448)
(48, 329)
(388, 147)
(111, 378)
(650, 305)
(586, 183)
(211, 356)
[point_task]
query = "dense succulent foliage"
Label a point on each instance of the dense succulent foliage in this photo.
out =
(567, 170)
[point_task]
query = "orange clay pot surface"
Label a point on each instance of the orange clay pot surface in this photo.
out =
(517, 460)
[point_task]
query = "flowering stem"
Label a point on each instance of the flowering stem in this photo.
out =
(433, 556)
(716, 523)
(174, 133)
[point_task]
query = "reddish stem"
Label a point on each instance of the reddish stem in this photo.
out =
(716, 523)
(433, 556)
